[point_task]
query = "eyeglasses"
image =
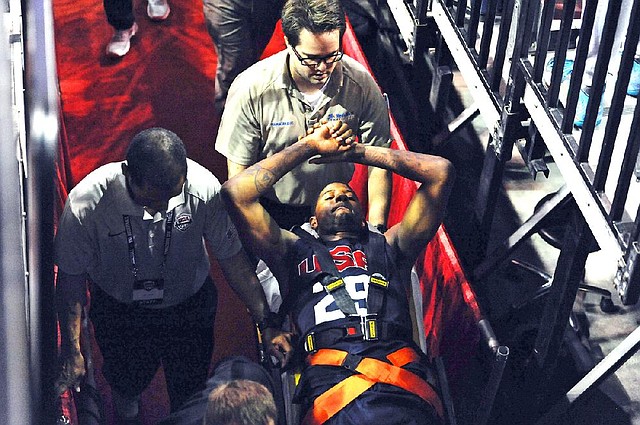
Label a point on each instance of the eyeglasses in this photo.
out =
(313, 62)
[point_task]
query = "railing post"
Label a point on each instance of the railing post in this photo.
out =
(555, 317)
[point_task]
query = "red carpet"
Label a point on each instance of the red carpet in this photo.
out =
(167, 80)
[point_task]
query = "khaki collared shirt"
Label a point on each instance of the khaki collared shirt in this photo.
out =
(265, 113)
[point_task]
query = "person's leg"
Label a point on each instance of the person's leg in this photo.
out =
(119, 13)
(229, 25)
(120, 17)
(594, 43)
(264, 17)
(592, 56)
(126, 343)
(188, 344)
(634, 80)
(590, 66)
(186, 363)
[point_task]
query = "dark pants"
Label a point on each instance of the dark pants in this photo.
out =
(240, 30)
(119, 13)
(134, 341)
(378, 406)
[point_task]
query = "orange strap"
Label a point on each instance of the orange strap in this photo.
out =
(371, 371)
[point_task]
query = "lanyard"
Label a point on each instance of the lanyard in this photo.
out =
(168, 228)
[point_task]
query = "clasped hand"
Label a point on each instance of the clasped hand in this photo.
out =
(332, 141)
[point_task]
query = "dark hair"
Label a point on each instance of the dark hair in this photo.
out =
(157, 157)
(316, 16)
(240, 402)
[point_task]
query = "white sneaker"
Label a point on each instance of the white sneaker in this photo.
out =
(158, 10)
(121, 42)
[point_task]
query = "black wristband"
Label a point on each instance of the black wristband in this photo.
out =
(272, 320)
(381, 228)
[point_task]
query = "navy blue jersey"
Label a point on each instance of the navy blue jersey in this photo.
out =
(313, 309)
(314, 306)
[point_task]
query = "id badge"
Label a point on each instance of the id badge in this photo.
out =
(148, 292)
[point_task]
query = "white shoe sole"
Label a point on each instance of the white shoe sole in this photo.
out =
(117, 55)
(158, 18)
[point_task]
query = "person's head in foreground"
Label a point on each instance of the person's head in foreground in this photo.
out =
(240, 402)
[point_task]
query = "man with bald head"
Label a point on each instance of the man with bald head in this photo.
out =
(135, 231)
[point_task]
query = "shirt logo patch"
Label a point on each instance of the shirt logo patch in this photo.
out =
(183, 221)
(281, 123)
(344, 116)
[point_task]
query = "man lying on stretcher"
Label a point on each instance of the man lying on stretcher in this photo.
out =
(346, 287)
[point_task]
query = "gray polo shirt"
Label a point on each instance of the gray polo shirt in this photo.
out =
(265, 113)
(92, 239)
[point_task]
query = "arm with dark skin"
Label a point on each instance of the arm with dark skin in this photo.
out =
(241, 276)
(258, 231)
(70, 300)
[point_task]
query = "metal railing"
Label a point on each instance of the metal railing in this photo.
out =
(502, 49)
(503, 59)
(29, 134)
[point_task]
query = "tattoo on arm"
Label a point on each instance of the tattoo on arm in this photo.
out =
(264, 179)
(412, 166)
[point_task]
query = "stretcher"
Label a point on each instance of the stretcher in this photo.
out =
(451, 327)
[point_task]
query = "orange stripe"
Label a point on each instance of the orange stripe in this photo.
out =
(338, 396)
(327, 357)
(403, 356)
(393, 375)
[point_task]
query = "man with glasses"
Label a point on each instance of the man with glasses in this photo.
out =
(279, 99)
(241, 30)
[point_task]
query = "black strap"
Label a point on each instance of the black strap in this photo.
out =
(333, 284)
(168, 228)
(337, 288)
(331, 280)
(327, 337)
(377, 265)
(375, 251)
(378, 286)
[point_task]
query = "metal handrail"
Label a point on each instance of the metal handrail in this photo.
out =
(503, 58)
(28, 164)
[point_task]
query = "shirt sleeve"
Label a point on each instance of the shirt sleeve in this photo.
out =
(74, 249)
(220, 231)
(239, 134)
(375, 124)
